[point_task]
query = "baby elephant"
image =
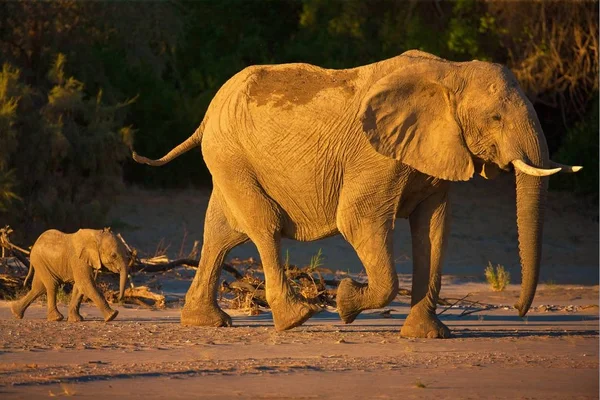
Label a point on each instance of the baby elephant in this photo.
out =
(59, 257)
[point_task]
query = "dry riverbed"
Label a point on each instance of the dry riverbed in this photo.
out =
(148, 354)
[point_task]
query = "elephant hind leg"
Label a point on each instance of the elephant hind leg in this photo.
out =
(201, 308)
(19, 307)
(258, 216)
(289, 310)
(373, 245)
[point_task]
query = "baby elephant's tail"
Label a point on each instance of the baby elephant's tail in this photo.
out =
(187, 145)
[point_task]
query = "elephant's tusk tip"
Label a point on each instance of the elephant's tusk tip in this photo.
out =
(566, 168)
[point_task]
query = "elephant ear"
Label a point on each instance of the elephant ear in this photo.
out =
(412, 118)
(89, 251)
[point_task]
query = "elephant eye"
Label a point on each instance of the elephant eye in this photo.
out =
(114, 255)
(496, 117)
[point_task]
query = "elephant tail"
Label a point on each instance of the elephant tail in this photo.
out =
(193, 141)
(29, 275)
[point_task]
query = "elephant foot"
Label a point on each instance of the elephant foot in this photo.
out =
(207, 316)
(55, 316)
(349, 299)
(291, 312)
(16, 310)
(424, 324)
(75, 318)
(110, 316)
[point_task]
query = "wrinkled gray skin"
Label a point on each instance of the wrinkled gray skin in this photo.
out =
(58, 257)
(303, 152)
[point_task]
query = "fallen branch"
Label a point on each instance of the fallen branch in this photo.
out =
(453, 304)
(258, 295)
(140, 295)
(5, 241)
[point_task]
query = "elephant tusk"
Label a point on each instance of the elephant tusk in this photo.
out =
(533, 171)
(567, 169)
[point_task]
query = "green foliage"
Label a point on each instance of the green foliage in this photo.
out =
(316, 261)
(172, 57)
(9, 100)
(62, 151)
(580, 147)
(497, 277)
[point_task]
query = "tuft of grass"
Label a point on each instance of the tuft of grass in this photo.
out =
(420, 384)
(316, 262)
(550, 284)
(67, 390)
(497, 277)
(63, 296)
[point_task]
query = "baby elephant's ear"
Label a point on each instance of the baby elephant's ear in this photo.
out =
(410, 117)
(89, 252)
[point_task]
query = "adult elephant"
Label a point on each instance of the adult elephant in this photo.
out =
(303, 152)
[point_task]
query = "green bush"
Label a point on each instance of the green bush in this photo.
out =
(497, 277)
(61, 152)
(580, 147)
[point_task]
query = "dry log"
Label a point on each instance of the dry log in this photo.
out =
(140, 295)
(145, 266)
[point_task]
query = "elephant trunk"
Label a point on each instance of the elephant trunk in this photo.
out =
(531, 190)
(122, 283)
(531, 200)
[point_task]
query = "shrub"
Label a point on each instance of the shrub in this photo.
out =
(580, 147)
(497, 277)
(62, 152)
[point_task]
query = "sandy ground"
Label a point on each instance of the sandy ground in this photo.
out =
(551, 354)
(147, 354)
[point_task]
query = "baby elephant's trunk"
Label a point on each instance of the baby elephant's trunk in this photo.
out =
(122, 283)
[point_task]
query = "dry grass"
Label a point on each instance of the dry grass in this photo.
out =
(66, 390)
(247, 292)
(420, 384)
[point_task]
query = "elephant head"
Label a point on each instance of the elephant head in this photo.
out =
(451, 120)
(104, 248)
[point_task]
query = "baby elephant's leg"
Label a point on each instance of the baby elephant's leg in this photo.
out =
(53, 313)
(76, 298)
(37, 289)
(88, 288)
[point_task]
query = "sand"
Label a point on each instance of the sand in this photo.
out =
(147, 354)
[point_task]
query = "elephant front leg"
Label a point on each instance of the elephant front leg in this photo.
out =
(429, 224)
(76, 298)
(88, 288)
(53, 313)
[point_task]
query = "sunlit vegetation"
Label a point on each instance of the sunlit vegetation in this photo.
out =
(79, 78)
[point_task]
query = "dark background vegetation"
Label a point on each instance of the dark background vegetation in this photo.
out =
(81, 80)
